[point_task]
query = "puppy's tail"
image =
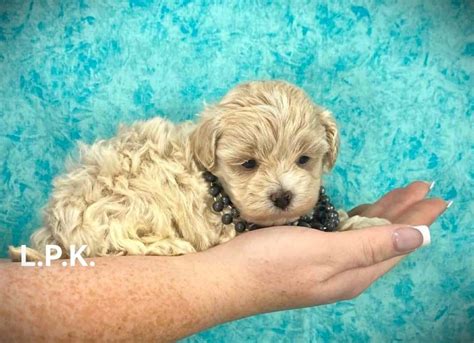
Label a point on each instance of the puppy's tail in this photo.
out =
(39, 239)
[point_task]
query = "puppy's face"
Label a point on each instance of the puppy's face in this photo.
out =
(269, 145)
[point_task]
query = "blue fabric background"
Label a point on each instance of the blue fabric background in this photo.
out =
(397, 74)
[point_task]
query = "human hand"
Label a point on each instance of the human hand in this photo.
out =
(169, 297)
(292, 267)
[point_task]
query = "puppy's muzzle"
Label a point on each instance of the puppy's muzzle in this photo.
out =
(281, 199)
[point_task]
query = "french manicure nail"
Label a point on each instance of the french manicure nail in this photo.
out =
(450, 202)
(410, 238)
(425, 231)
(432, 184)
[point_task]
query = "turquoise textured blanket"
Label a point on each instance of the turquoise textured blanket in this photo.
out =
(397, 74)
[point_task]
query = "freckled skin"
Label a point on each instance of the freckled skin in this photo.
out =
(119, 298)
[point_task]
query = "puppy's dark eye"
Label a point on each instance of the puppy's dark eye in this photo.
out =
(250, 164)
(303, 159)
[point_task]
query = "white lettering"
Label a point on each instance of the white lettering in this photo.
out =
(56, 256)
(25, 263)
(77, 255)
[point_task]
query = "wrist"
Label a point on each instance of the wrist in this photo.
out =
(226, 286)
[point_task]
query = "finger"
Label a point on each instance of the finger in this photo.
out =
(352, 282)
(395, 202)
(362, 248)
(410, 195)
(424, 212)
(367, 247)
(397, 199)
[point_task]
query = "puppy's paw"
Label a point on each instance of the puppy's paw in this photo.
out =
(170, 247)
(358, 222)
(31, 254)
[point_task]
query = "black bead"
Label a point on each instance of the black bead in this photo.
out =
(226, 200)
(316, 225)
(235, 212)
(318, 211)
(240, 226)
(214, 190)
(324, 200)
(323, 216)
(218, 206)
(227, 218)
(253, 227)
(209, 177)
(303, 223)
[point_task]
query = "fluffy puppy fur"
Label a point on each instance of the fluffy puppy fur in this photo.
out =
(142, 192)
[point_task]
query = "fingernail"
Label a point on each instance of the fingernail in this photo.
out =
(425, 231)
(410, 238)
(432, 184)
(450, 202)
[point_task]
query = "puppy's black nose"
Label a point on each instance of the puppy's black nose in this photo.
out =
(281, 199)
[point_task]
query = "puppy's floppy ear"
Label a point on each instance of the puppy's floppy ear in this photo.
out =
(204, 139)
(332, 136)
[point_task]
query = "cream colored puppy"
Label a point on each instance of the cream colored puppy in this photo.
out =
(143, 193)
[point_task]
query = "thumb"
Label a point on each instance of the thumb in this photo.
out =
(369, 246)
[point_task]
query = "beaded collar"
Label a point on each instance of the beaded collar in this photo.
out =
(322, 217)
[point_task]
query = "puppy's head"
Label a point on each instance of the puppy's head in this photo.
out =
(269, 144)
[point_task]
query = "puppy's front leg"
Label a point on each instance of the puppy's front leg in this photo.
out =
(358, 222)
